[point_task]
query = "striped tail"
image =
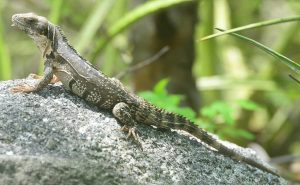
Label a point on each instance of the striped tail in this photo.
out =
(223, 149)
(160, 118)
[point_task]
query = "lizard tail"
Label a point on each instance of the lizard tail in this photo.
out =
(163, 119)
(182, 123)
(223, 149)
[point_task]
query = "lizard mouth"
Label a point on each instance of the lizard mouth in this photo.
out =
(15, 21)
(20, 25)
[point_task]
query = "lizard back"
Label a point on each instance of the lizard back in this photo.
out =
(81, 78)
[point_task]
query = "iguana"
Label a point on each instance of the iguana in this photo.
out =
(81, 78)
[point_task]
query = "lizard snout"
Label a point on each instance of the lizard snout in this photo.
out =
(13, 19)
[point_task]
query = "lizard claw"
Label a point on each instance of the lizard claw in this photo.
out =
(22, 88)
(132, 132)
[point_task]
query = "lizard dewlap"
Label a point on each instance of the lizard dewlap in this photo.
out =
(81, 78)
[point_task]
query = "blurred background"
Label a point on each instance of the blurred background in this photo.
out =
(236, 90)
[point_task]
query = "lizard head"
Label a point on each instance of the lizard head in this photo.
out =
(36, 27)
(31, 24)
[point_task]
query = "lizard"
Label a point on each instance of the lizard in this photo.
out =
(62, 62)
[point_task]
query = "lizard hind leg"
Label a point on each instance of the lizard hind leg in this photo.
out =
(122, 112)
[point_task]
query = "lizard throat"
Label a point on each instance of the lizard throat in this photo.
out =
(43, 43)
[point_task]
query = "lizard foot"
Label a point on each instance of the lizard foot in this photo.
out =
(132, 132)
(123, 113)
(22, 88)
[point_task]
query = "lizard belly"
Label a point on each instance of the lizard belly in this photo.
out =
(76, 86)
(64, 77)
(82, 89)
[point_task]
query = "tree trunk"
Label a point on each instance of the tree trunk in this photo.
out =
(174, 28)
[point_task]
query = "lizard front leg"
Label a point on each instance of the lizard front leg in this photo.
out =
(122, 112)
(43, 82)
(54, 79)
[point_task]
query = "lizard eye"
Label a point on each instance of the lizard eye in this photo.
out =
(31, 20)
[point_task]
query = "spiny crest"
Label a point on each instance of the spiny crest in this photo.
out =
(165, 112)
(71, 47)
(62, 34)
(66, 41)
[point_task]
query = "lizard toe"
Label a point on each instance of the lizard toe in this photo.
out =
(22, 88)
(132, 133)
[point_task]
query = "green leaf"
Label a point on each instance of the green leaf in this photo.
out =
(160, 98)
(184, 111)
(208, 126)
(254, 25)
(147, 95)
(248, 105)
(160, 87)
(236, 133)
(245, 134)
(172, 99)
(219, 109)
(285, 60)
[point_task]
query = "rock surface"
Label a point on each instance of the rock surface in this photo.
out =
(54, 137)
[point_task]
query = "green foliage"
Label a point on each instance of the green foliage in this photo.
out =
(55, 13)
(248, 105)
(218, 118)
(133, 16)
(93, 23)
(170, 102)
(219, 109)
(254, 25)
(285, 60)
(5, 63)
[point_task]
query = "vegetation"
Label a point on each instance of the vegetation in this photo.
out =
(246, 95)
(217, 118)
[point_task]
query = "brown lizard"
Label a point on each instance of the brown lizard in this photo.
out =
(81, 78)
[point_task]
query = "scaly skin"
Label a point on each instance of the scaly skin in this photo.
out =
(81, 78)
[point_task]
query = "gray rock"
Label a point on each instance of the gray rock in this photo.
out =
(54, 137)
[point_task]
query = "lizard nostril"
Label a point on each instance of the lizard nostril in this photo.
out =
(14, 17)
